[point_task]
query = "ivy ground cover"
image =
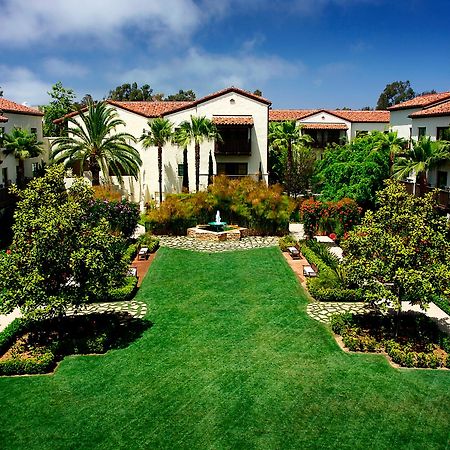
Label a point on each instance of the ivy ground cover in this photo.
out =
(231, 361)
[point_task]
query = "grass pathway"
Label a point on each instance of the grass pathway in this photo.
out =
(232, 361)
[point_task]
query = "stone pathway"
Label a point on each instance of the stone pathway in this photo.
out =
(133, 308)
(188, 243)
(322, 311)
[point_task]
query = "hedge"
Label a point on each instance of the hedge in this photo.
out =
(8, 335)
(41, 363)
(125, 292)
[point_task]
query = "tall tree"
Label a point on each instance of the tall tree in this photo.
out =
(355, 170)
(390, 141)
(198, 129)
(159, 134)
(400, 252)
(284, 135)
(95, 142)
(59, 257)
(182, 96)
(394, 93)
(61, 103)
(257, 92)
(424, 155)
(131, 92)
(210, 169)
(1, 92)
(22, 145)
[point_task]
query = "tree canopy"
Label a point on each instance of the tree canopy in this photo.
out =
(355, 170)
(394, 93)
(182, 96)
(62, 102)
(400, 252)
(58, 257)
(94, 141)
(131, 92)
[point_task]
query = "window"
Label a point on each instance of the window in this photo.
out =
(180, 170)
(5, 176)
(34, 131)
(232, 169)
(442, 179)
(34, 168)
(421, 132)
(360, 133)
(443, 133)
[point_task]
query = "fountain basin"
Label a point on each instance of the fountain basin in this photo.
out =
(205, 233)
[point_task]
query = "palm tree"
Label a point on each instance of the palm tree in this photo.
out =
(160, 134)
(94, 142)
(424, 155)
(284, 135)
(390, 141)
(198, 129)
(183, 139)
(23, 145)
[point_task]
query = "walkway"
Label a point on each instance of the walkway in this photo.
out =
(322, 311)
(189, 243)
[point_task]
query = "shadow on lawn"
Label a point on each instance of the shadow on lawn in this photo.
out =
(37, 347)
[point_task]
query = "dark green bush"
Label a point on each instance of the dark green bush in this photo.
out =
(8, 335)
(131, 252)
(339, 322)
(334, 294)
(125, 292)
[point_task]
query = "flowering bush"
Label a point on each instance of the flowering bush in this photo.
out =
(333, 218)
(122, 215)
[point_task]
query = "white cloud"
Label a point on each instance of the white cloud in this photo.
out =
(25, 21)
(57, 67)
(205, 72)
(21, 85)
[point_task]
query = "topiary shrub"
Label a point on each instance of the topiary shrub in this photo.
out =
(149, 241)
(125, 292)
(287, 241)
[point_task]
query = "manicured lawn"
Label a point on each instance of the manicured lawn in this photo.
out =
(232, 361)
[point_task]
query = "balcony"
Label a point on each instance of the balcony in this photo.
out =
(236, 141)
(442, 195)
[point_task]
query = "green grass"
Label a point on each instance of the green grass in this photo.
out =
(232, 361)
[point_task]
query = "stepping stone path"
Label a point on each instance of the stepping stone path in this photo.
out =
(322, 311)
(189, 243)
(133, 308)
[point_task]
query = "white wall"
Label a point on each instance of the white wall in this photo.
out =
(431, 124)
(367, 126)
(27, 122)
(401, 123)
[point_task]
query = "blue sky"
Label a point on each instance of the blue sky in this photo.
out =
(300, 53)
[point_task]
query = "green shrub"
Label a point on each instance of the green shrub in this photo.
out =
(333, 294)
(246, 202)
(131, 252)
(287, 241)
(125, 292)
(339, 322)
(9, 334)
(150, 241)
(40, 363)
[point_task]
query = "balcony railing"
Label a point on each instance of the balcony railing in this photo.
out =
(442, 195)
(235, 148)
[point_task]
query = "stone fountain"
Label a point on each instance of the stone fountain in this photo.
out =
(217, 230)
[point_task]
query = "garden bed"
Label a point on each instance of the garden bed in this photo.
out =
(408, 339)
(37, 347)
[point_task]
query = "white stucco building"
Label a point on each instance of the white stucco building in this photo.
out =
(14, 115)
(333, 126)
(241, 119)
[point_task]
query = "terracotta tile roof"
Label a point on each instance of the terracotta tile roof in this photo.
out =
(146, 109)
(442, 109)
(12, 107)
(363, 116)
(351, 116)
(422, 101)
(232, 120)
(3, 118)
(150, 109)
(279, 115)
(324, 126)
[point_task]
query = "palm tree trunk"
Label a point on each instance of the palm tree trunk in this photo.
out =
(21, 174)
(95, 170)
(160, 173)
(185, 171)
(197, 167)
(289, 168)
(422, 183)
